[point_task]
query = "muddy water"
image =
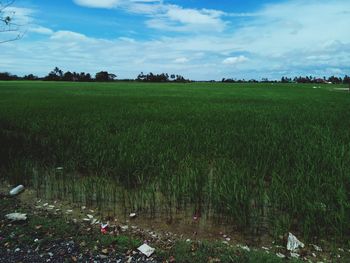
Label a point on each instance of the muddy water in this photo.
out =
(113, 203)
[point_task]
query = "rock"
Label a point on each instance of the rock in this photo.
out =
(105, 251)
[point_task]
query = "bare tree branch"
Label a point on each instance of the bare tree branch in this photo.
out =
(6, 22)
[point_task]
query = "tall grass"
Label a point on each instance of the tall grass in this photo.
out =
(254, 154)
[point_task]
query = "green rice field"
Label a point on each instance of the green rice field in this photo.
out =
(275, 157)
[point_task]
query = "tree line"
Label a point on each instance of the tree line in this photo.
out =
(300, 79)
(104, 76)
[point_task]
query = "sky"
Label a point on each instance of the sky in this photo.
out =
(199, 39)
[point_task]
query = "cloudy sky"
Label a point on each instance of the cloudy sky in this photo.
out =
(200, 39)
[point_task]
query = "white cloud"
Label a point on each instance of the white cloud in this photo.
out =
(181, 60)
(176, 18)
(234, 60)
(41, 30)
(166, 16)
(69, 36)
(98, 3)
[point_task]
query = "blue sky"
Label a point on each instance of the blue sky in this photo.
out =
(199, 39)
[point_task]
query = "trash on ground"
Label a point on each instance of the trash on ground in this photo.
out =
(132, 215)
(246, 248)
(317, 248)
(90, 216)
(294, 255)
(104, 228)
(124, 228)
(293, 243)
(17, 190)
(280, 255)
(146, 250)
(16, 217)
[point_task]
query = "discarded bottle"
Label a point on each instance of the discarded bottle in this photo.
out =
(17, 190)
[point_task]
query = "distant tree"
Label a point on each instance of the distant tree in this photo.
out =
(7, 76)
(68, 76)
(346, 80)
(163, 77)
(86, 77)
(141, 77)
(55, 75)
(104, 76)
(7, 26)
(30, 77)
(335, 80)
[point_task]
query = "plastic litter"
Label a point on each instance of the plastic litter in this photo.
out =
(104, 228)
(246, 248)
(17, 190)
(16, 217)
(280, 255)
(132, 215)
(124, 228)
(317, 248)
(294, 255)
(293, 243)
(146, 250)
